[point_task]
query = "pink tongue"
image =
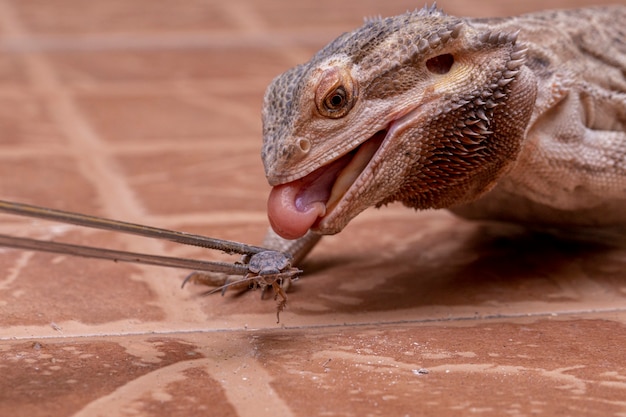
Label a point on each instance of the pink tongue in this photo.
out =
(294, 207)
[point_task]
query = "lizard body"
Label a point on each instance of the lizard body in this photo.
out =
(520, 119)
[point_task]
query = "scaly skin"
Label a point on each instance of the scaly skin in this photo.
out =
(520, 119)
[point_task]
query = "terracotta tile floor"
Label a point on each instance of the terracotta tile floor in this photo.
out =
(149, 112)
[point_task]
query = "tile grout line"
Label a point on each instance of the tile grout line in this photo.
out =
(245, 402)
(155, 42)
(93, 159)
(87, 148)
(222, 370)
(192, 96)
(494, 317)
(247, 18)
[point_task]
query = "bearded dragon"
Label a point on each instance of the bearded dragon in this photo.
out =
(519, 119)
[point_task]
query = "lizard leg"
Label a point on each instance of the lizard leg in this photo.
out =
(298, 249)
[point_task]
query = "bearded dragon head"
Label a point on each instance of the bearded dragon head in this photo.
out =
(422, 108)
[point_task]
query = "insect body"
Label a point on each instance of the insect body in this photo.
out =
(266, 268)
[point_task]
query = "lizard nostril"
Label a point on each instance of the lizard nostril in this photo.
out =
(305, 145)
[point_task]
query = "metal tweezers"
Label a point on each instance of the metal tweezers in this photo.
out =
(263, 266)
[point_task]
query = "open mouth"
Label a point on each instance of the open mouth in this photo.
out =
(295, 207)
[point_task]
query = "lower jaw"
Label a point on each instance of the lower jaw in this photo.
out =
(346, 180)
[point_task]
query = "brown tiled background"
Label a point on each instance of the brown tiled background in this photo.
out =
(149, 112)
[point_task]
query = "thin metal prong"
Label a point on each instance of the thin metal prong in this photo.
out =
(28, 210)
(121, 256)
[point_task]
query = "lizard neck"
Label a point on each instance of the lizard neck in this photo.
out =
(452, 178)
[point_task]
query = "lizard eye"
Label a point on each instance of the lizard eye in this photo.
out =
(335, 94)
(336, 100)
(337, 103)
